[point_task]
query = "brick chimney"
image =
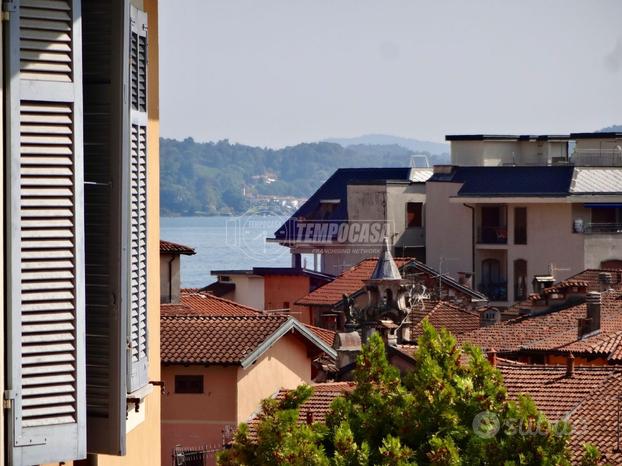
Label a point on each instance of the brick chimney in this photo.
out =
(591, 323)
(570, 365)
(605, 280)
(492, 357)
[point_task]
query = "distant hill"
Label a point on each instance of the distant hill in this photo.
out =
(611, 129)
(385, 139)
(220, 178)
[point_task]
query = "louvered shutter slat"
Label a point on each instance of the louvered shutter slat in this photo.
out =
(137, 204)
(46, 321)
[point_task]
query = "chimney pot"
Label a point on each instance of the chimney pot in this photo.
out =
(570, 365)
(593, 301)
(492, 357)
(605, 279)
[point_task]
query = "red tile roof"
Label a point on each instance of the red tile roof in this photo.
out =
(328, 336)
(214, 339)
(442, 314)
(318, 403)
(556, 332)
(595, 421)
(555, 394)
(347, 283)
(590, 276)
(206, 304)
(174, 248)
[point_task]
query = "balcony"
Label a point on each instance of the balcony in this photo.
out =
(598, 228)
(492, 235)
(495, 291)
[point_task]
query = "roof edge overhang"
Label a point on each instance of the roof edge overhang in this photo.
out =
(289, 324)
(491, 199)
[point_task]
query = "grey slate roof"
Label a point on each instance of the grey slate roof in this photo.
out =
(386, 269)
(533, 181)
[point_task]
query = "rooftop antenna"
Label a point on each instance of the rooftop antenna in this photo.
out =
(553, 269)
(441, 261)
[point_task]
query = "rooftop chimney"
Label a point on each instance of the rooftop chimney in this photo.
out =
(591, 323)
(492, 357)
(605, 280)
(570, 365)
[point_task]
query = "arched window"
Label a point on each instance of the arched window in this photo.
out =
(491, 271)
(520, 279)
(611, 264)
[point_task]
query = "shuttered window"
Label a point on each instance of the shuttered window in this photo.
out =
(136, 174)
(45, 259)
(105, 43)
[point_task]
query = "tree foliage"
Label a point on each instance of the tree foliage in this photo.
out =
(452, 409)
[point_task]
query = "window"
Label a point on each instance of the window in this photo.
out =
(520, 225)
(189, 384)
(285, 304)
(520, 279)
(414, 214)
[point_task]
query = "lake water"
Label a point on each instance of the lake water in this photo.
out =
(224, 243)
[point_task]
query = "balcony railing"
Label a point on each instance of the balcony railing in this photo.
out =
(492, 235)
(495, 291)
(611, 228)
(598, 157)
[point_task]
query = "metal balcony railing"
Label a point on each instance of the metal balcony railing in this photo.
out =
(492, 235)
(598, 157)
(495, 291)
(612, 228)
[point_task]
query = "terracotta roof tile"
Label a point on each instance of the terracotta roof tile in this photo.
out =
(175, 248)
(595, 421)
(552, 390)
(556, 332)
(195, 339)
(442, 314)
(206, 304)
(328, 336)
(318, 404)
(347, 283)
(590, 276)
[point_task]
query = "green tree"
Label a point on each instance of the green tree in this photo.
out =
(452, 409)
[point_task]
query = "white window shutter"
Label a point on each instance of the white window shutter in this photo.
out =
(45, 292)
(105, 56)
(136, 175)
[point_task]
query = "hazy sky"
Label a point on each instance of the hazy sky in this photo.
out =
(280, 72)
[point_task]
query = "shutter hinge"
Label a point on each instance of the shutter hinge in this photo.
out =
(7, 9)
(7, 399)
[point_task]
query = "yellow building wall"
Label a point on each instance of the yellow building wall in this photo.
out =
(284, 365)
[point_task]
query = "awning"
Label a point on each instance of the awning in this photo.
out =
(603, 206)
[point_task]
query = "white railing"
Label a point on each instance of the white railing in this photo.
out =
(598, 157)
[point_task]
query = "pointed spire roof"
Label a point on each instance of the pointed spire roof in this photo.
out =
(385, 267)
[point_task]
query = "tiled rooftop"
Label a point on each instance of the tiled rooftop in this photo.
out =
(327, 336)
(350, 281)
(174, 248)
(590, 277)
(553, 391)
(443, 314)
(556, 332)
(318, 403)
(214, 339)
(595, 421)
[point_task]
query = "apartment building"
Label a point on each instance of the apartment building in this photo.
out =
(347, 218)
(522, 221)
(80, 233)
